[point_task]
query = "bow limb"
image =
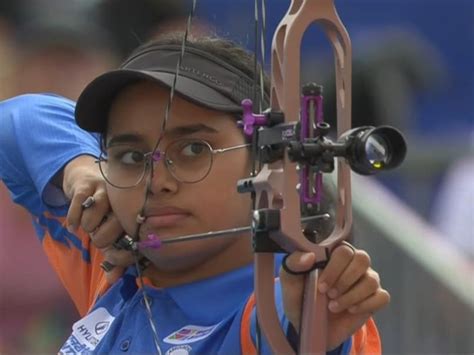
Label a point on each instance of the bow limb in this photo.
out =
(275, 185)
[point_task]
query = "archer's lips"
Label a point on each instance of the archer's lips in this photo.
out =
(165, 220)
(166, 216)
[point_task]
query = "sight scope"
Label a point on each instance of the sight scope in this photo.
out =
(367, 149)
(370, 150)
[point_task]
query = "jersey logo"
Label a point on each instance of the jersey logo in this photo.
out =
(179, 350)
(189, 334)
(101, 327)
(89, 331)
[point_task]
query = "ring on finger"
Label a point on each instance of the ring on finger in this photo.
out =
(89, 202)
(317, 265)
(104, 219)
(349, 245)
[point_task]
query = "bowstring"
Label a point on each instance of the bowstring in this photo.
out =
(260, 31)
(166, 118)
(263, 46)
(175, 78)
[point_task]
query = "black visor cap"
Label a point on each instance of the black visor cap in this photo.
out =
(203, 79)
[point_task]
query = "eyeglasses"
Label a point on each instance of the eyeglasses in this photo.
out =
(188, 160)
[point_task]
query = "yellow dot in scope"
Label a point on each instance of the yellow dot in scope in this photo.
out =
(377, 165)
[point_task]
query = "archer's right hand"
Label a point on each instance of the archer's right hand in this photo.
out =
(85, 187)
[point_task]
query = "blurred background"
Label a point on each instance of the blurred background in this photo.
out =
(413, 68)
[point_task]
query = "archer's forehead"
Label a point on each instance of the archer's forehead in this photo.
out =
(142, 107)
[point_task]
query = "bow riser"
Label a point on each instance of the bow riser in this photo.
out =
(275, 185)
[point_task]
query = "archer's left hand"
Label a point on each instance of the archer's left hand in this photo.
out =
(352, 286)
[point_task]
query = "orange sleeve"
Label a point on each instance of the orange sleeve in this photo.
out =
(246, 342)
(366, 341)
(76, 261)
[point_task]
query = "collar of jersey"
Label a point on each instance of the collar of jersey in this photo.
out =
(211, 298)
(214, 297)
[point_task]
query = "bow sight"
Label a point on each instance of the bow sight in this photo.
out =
(367, 149)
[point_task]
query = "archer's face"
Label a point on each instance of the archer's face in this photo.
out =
(174, 208)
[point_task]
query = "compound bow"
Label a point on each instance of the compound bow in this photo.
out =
(277, 197)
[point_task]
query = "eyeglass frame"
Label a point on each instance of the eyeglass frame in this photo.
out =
(149, 160)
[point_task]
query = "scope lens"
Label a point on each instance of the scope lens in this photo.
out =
(377, 151)
(370, 150)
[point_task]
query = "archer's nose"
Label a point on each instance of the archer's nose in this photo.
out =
(162, 180)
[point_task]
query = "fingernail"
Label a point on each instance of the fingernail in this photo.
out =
(333, 293)
(323, 287)
(71, 228)
(333, 306)
(106, 266)
(89, 202)
(308, 257)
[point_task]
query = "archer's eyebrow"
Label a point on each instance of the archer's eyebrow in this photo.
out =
(190, 129)
(125, 138)
(174, 132)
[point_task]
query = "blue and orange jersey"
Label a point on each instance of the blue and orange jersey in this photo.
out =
(38, 138)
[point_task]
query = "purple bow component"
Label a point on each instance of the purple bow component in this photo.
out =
(250, 119)
(311, 191)
(156, 156)
(153, 242)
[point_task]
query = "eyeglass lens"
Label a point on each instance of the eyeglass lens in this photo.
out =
(187, 160)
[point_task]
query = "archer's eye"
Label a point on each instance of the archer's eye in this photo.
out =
(126, 156)
(194, 149)
(132, 157)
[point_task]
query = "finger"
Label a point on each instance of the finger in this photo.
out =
(339, 260)
(92, 217)
(363, 289)
(357, 268)
(372, 304)
(299, 262)
(123, 258)
(74, 214)
(107, 233)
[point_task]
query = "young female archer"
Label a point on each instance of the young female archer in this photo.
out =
(193, 296)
